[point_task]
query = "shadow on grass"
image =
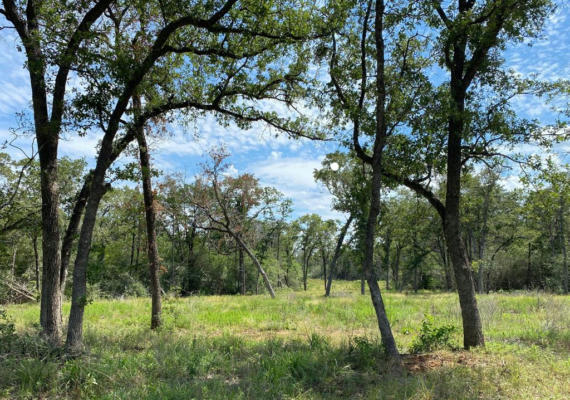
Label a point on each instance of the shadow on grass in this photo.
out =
(230, 367)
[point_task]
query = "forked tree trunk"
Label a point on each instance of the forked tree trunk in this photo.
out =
(150, 214)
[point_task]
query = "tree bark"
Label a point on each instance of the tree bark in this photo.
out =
(375, 294)
(71, 232)
(50, 308)
(74, 341)
(472, 329)
(150, 213)
(336, 255)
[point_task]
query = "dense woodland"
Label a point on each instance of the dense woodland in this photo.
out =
(416, 96)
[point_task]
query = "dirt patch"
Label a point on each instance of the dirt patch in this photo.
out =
(428, 362)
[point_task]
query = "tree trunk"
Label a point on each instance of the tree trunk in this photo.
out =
(396, 268)
(50, 307)
(472, 329)
(47, 135)
(150, 212)
(242, 275)
(386, 266)
(307, 260)
(528, 268)
(71, 232)
(133, 245)
(278, 259)
(375, 294)
(13, 264)
(258, 265)
(483, 234)
(305, 273)
(324, 259)
(137, 256)
(74, 340)
(36, 261)
(562, 222)
(257, 283)
(336, 255)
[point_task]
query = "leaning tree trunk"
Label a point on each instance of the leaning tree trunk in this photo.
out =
(336, 255)
(71, 232)
(472, 329)
(74, 340)
(257, 264)
(150, 213)
(375, 294)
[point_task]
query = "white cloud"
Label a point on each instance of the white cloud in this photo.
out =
(231, 171)
(75, 146)
(294, 177)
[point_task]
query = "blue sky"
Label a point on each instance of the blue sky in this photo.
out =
(280, 162)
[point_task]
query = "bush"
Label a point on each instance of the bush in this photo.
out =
(432, 337)
(7, 332)
(365, 353)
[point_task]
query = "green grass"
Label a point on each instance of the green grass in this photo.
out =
(298, 346)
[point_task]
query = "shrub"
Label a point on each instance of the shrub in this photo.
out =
(7, 332)
(432, 337)
(365, 353)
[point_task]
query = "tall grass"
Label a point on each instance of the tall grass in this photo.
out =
(298, 346)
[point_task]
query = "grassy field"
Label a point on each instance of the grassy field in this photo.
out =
(298, 346)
